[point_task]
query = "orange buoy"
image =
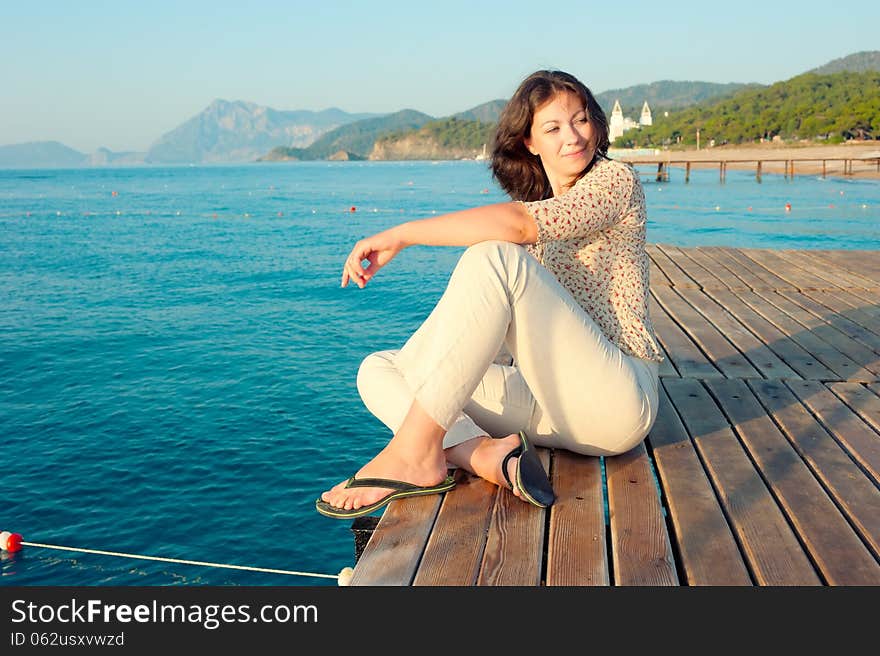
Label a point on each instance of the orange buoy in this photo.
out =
(10, 542)
(353, 209)
(788, 207)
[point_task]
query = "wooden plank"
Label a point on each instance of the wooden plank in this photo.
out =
(721, 273)
(396, 545)
(752, 348)
(706, 548)
(771, 549)
(850, 488)
(866, 302)
(793, 354)
(656, 275)
(830, 271)
(685, 355)
(815, 317)
(675, 275)
(576, 549)
(725, 257)
(666, 366)
(768, 279)
(846, 426)
(455, 549)
(713, 343)
(836, 312)
(862, 261)
(797, 277)
(702, 276)
(515, 546)
(794, 321)
(861, 400)
(640, 547)
(859, 311)
(834, 547)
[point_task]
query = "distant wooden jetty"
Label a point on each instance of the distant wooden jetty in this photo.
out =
(663, 165)
(763, 467)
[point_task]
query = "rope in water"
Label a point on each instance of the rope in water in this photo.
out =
(342, 577)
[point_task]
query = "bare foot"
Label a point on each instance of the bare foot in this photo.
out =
(394, 463)
(483, 457)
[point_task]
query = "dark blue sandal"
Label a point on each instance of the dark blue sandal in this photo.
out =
(531, 479)
(399, 489)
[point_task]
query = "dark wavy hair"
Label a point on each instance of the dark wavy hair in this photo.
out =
(519, 172)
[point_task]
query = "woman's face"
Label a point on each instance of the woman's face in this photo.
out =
(563, 137)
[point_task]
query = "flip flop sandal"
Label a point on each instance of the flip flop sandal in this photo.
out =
(400, 490)
(532, 480)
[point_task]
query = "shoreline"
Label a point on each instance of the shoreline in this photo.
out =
(807, 159)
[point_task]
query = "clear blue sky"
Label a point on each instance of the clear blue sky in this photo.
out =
(120, 74)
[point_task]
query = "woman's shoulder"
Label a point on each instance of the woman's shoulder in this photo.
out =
(610, 170)
(613, 166)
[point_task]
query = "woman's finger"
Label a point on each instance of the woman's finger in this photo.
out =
(353, 275)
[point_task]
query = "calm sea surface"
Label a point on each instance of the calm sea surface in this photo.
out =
(177, 360)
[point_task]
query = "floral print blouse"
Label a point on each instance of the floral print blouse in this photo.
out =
(592, 238)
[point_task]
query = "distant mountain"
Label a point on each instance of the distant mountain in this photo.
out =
(462, 135)
(356, 138)
(40, 154)
(485, 113)
(447, 139)
(106, 157)
(832, 108)
(666, 95)
(859, 62)
(238, 131)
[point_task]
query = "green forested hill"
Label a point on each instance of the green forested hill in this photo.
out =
(666, 94)
(810, 106)
(449, 138)
(858, 62)
(450, 132)
(486, 113)
(356, 138)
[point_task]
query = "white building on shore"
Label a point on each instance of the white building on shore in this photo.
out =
(646, 119)
(618, 123)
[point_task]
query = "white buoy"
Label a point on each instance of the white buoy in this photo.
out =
(345, 575)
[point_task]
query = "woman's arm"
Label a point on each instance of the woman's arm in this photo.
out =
(502, 221)
(597, 201)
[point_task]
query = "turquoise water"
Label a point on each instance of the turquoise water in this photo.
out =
(177, 360)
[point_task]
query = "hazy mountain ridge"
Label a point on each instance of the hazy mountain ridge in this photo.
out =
(858, 62)
(239, 131)
(37, 154)
(488, 112)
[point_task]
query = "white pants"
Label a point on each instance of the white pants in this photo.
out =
(568, 387)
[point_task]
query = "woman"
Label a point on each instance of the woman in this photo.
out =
(557, 279)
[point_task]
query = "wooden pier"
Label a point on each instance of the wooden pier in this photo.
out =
(763, 467)
(839, 165)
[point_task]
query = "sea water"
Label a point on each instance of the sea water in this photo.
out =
(178, 360)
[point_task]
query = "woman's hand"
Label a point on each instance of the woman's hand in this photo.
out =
(378, 250)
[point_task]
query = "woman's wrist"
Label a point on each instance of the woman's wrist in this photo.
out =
(400, 233)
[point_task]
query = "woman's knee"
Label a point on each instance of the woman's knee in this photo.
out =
(371, 368)
(492, 251)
